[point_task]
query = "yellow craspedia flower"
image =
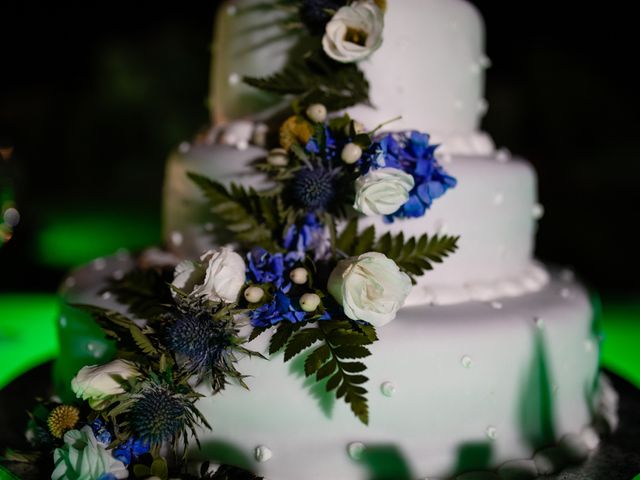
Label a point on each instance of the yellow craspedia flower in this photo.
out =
(295, 129)
(62, 419)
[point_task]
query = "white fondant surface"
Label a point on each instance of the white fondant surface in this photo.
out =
(491, 209)
(429, 69)
(505, 378)
(248, 41)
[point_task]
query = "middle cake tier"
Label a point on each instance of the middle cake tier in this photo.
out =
(493, 209)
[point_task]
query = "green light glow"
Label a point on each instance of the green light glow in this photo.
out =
(620, 352)
(27, 333)
(77, 238)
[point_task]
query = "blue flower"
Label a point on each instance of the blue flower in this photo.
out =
(101, 432)
(280, 308)
(265, 267)
(412, 153)
(308, 237)
(130, 450)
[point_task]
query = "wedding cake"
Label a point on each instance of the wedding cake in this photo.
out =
(299, 235)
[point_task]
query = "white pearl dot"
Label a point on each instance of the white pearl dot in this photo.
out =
(588, 346)
(184, 147)
(99, 264)
(118, 274)
(106, 295)
(565, 293)
(234, 79)
(263, 453)
(503, 155)
(242, 145)
(356, 450)
(483, 106)
(538, 211)
(498, 199)
(484, 61)
(11, 217)
(90, 347)
(63, 321)
(466, 361)
(176, 238)
(491, 432)
(567, 276)
(496, 305)
(388, 389)
(232, 10)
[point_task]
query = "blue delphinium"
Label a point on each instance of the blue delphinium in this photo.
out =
(265, 267)
(125, 452)
(308, 237)
(411, 153)
(130, 450)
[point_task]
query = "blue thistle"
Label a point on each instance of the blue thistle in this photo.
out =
(315, 14)
(314, 188)
(205, 345)
(159, 415)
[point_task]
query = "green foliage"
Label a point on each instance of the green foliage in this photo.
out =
(413, 256)
(340, 342)
(312, 77)
(143, 291)
(252, 218)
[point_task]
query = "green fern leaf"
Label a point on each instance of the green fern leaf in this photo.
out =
(301, 341)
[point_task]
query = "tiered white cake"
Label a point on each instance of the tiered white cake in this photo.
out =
(492, 359)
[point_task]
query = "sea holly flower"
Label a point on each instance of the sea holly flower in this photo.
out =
(83, 457)
(382, 191)
(370, 287)
(354, 32)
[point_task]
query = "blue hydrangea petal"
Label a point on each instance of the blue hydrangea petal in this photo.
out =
(413, 207)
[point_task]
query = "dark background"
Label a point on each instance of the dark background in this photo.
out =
(95, 96)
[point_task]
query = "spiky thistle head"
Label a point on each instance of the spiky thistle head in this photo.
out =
(204, 346)
(314, 188)
(159, 414)
(62, 419)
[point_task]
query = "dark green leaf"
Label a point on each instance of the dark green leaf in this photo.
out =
(300, 341)
(351, 351)
(315, 359)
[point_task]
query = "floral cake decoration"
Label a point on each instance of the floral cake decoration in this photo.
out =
(297, 267)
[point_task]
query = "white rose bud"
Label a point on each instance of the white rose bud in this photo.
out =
(309, 302)
(253, 294)
(278, 157)
(382, 191)
(299, 276)
(354, 32)
(370, 287)
(96, 383)
(317, 113)
(351, 153)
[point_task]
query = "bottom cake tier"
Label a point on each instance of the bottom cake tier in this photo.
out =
(511, 385)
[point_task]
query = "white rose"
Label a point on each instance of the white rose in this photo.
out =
(82, 456)
(370, 287)
(382, 191)
(354, 32)
(96, 383)
(220, 277)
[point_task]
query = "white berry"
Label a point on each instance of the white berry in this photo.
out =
(299, 276)
(278, 157)
(309, 302)
(253, 294)
(317, 113)
(351, 153)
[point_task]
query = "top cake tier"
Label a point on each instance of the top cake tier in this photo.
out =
(429, 69)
